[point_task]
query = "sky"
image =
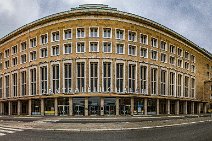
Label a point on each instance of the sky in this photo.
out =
(190, 18)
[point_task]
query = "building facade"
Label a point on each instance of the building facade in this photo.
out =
(96, 60)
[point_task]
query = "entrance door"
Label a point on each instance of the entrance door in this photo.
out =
(79, 110)
(93, 110)
(125, 109)
(110, 110)
(63, 110)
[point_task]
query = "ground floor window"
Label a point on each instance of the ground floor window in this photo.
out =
(94, 106)
(151, 106)
(49, 106)
(124, 106)
(139, 106)
(78, 106)
(36, 104)
(110, 106)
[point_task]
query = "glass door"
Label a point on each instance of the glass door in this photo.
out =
(63, 110)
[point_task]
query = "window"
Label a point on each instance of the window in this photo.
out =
(7, 53)
(106, 77)
(144, 53)
(132, 36)
(94, 47)
(179, 85)
(55, 36)
(67, 34)
(15, 84)
(7, 64)
(43, 52)
(1, 93)
(120, 77)
(14, 49)
(143, 79)
(80, 32)
(186, 86)
(55, 50)
(192, 87)
(154, 55)
(33, 78)
(80, 47)
(44, 39)
(154, 81)
(132, 78)
(67, 77)
(55, 78)
(93, 77)
(7, 86)
(120, 48)
(44, 79)
(120, 34)
(154, 42)
(163, 45)
(107, 47)
(1, 56)
(33, 42)
(179, 52)
(15, 61)
(81, 76)
(180, 63)
(68, 48)
(163, 82)
(186, 55)
(23, 46)
(144, 39)
(172, 60)
(193, 58)
(192, 68)
(94, 32)
(132, 50)
(163, 58)
(32, 55)
(172, 84)
(172, 49)
(186, 65)
(23, 58)
(107, 33)
(23, 83)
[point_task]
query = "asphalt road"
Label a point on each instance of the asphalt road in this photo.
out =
(193, 132)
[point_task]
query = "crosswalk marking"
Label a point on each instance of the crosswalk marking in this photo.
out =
(13, 129)
(4, 130)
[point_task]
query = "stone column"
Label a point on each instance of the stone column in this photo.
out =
(42, 107)
(86, 106)
(70, 106)
(168, 106)
(204, 108)
(9, 108)
(185, 107)
(30, 107)
(158, 107)
(132, 106)
(19, 107)
(117, 106)
(55, 107)
(177, 107)
(145, 106)
(192, 107)
(102, 106)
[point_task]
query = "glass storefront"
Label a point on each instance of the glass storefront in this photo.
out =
(63, 106)
(49, 106)
(6, 108)
(124, 106)
(14, 108)
(139, 106)
(172, 107)
(78, 106)
(24, 107)
(181, 107)
(162, 106)
(110, 106)
(151, 106)
(94, 106)
(36, 107)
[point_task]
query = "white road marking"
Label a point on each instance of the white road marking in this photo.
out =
(2, 134)
(6, 131)
(13, 129)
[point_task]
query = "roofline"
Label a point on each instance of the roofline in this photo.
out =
(100, 9)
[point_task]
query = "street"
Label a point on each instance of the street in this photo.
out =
(195, 132)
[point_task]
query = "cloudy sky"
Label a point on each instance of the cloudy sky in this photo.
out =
(190, 18)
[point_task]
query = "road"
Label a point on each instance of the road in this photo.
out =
(193, 132)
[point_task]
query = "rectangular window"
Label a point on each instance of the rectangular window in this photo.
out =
(179, 52)
(172, 49)
(154, 55)
(192, 58)
(94, 32)
(179, 63)
(107, 32)
(144, 39)
(163, 45)
(154, 81)
(143, 79)
(163, 82)
(172, 84)
(7, 64)
(44, 79)
(106, 77)
(1, 88)
(107, 47)
(67, 34)
(179, 85)
(132, 78)
(67, 77)
(15, 84)
(186, 55)
(144, 52)
(192, 87)
(23, 58)
(55, 36)
(33, 78)
(186, 66)
(119, 34)
(186, 86)
(93, 77)
(172, 60)
(32, 55)
(7, 86)
(15, 61)
(80, 32)
(94, 47)
(55, 78)
(80, 47)
(7, 53)
(23, 83)
(132, 50)
(67, 48)
(81, 76)
(44, 39)
(23, 46)
(163, 58)
(55, 50)
(119, 48)
(33, 42)
(192, 68)
(14, 49)
(132, 36)
(154, 42)
(43, 52)
(120, 77)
